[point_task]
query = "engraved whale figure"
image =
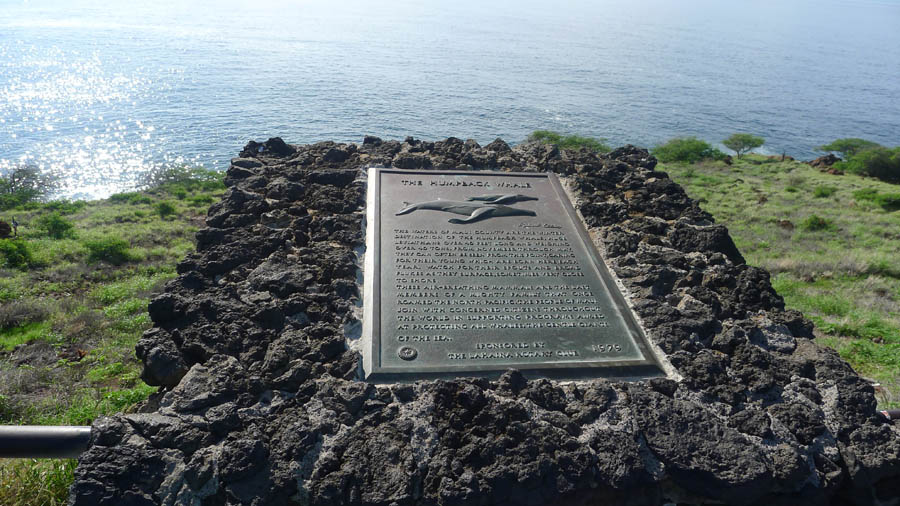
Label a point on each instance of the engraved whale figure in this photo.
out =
(474, 211)
(508, 198)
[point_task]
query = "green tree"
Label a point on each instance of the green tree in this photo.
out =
(569, 141)
(742, 143)
(23, 184)
(878, 162)
(15, 253)
(110, 249)
(164, 209)
(56, 226)
(849, 146)
(686, 149)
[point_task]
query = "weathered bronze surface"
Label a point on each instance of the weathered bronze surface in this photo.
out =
(478, 272)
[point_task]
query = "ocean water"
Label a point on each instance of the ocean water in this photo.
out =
(99, 92)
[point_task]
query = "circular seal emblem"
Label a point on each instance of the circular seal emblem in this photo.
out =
(408, 353)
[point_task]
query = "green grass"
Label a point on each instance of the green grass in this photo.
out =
(77, 297)
(31, 482)
(109, 293)
(830, 243)
(84, 408)
(34, 331)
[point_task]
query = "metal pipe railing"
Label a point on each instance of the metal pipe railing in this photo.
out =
(43, 441)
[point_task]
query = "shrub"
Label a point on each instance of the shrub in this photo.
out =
(109, 249)
(849, 146)
(569, 141)
(686, 149)
(878, 162)
(865, 194)
(164, 209)
(824, 191)
(795, 180)
(16, 253)
(56, 226)
(84, 325)
(105, 372)
(200, 200)
(888, 201)
(65, 207)
(815, 223)
(20, 312)
(743, 143)
(883, 268)
(23, 185)
(131, 198)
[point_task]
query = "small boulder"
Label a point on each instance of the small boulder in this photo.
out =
(335, 155)
(406, 160)
(824, 162)
(163, 362)
(5, 229)
(276, 146)
(498, 146)
(246, 163)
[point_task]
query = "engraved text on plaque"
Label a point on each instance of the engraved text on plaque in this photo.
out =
(473, 273)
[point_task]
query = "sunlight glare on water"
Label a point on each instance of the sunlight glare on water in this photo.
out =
(72, 111)
(99, 93)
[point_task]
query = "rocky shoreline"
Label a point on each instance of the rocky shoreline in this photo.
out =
(261, 403)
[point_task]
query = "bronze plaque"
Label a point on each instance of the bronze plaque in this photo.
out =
(473, 273)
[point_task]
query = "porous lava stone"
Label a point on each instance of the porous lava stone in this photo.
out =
(260, 401)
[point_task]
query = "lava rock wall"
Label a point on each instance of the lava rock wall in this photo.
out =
(260, 402)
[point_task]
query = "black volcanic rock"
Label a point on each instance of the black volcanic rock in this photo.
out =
(260, 401)
(825, 161)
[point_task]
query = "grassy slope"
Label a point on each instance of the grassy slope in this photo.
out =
(834, 254)
(844, 276)
(69, 322)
